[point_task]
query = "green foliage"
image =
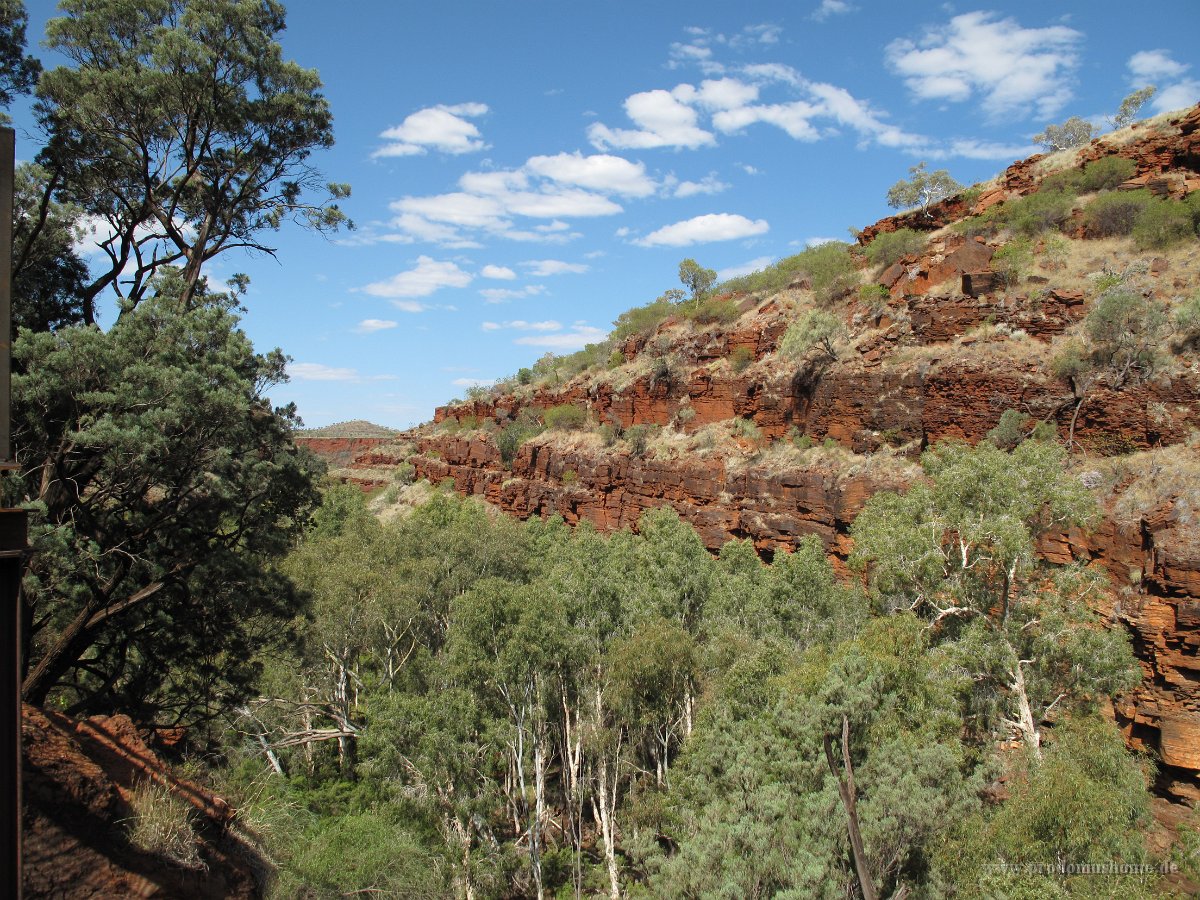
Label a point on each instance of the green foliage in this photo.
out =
(829, 268)
(524, 427)
(18, 72)
(891, 246)
(176, 485)
(1113, 214)
(874, 296)
(569, 476)
(740, 359)
(1056, 249)
(1075, 132)
(710, 310)
(1034, 214)
(616, 359)
(815, 329)
(1085, 803)
(1186, 320)
(1009, 431)
(697, 279)
(641, 320)
(1013, 261)
(922, 188)
(144, 77)
(746, 429)
(1131, 105)
(1162, 224)
(638, 438)
(565, 417)
(1126, 330)
(1104, 174)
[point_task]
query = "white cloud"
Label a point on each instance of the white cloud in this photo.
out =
(1157, 67)
(663, 120)
(724, 93)
(1176, 96)
(500, 273)
(703, 229)
(575, 339)
(975, 149)
(322, 372)
(1151, 66)
(709, 184)
(522, 325)
(831, 8)
(443, 128)
(599, 172)
(369, 326)
(541, 268)
(502, 295)
(429, 275)
(792, 117)
(846, 109)
(745, 268)
(1016, 71)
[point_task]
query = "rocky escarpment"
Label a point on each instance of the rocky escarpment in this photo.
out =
(78, 783)
(746, 443)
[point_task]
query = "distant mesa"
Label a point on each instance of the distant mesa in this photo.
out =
(359, 428)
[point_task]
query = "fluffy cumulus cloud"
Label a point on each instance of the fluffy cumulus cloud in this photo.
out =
(500, 273)
(600, 172)
(442, 128)
(709, 184)
(662, 120)
(1014, 71)
(732, 103)
(428, 276)
(704, 229)
(547, 190)
(1157, 67)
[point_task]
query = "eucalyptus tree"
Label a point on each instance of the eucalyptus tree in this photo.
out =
(959, 551)
(179, 131)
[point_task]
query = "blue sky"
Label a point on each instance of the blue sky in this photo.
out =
(523, 172)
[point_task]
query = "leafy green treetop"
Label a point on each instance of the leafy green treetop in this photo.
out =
(696, 278)
(922, 188)
(1132, 105)
(18, 72)
(181, 131)
(1075, 132)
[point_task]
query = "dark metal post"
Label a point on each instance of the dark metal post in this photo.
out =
(13, 547)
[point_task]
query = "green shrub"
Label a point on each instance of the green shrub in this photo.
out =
(404, 473)
(829, 267)
(1013, 260)
(641, 320)
(816, 328)
(1161, 224)
(638, 438)
(874, 297)
(709, 310)
(569, 476)
(616, 359)
(740, 359)
(746, 429)
(516, 433)
(1055, 251)
(1033, 214)
(685, 414)
(565, 416)
(524, 375)
(1008, 431)
(1126, 330)
(1113, 214)
(891, 246)
(1104, 174)
(609, 434)
(799, 439)
(1186, 319)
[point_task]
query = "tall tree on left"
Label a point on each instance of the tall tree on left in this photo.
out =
(179, 132)
(162, 484)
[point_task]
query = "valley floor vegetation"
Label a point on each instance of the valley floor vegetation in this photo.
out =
(481, 707)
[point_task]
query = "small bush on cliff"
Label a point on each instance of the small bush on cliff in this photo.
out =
(1162, 224)
(891, 246)
(829, 269)
(1186, 320)
(740, 359)
(710, 310)
(1104, 174)
(815, 329)
(1114, 214)
(638, 438)
(565, 417)
(1126, 330)
(516, 433)
(641, 320)
(1033, 214)
(1012, 261)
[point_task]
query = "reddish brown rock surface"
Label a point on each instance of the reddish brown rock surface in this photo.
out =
(78, 778)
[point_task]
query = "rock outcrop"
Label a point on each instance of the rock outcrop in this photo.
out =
(78, 781)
